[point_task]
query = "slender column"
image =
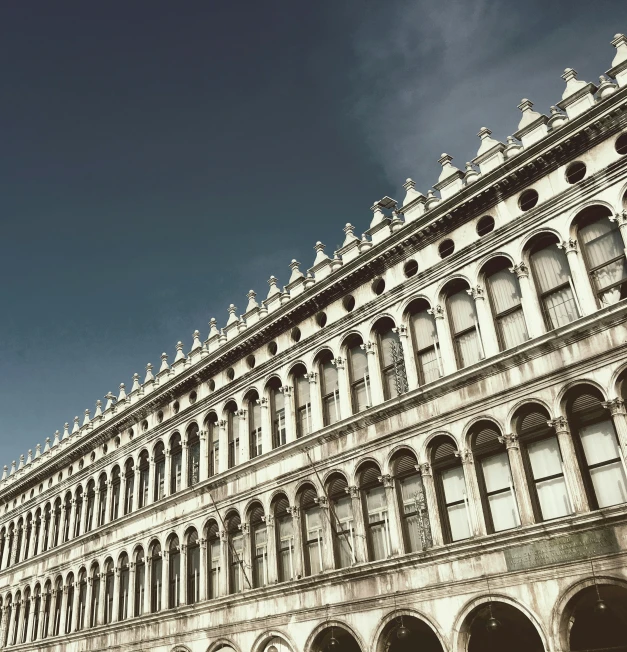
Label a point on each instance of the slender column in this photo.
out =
(14, 545)
(25, 541)
(151, 481)
(64, 523)
(290, 424)
(35, 545)
(314, 399)
(411, 372)
(619, 417)
(35, 626)
(88, 599)
(96, 509)
(183, 576)
(244, 556)
(298, 541)
(621, 218)
(343, 388)
(572, 473)
(82, 525)
(361, 552)
(6, 555)
(394, 518)
(11, 624)
(223, 447)
(432, 503)
(327, 533)
(472, 489)
(136, 489)
(75, 607)
(268, 519)
(184, 463)
(519, 480)
(266, 425)
(374, 373)
(202, 580)
(108, 502)
(223, 579)
(122, 508)
(532, 312)
(165, 574)
(244, 436)
(445, 345)
(148, 586)
(203, 469)
(167, 483)
(116, 596)
(61, 622)
(102, 599)
(131, 591)
(487, 330)
(42, 616)
(581, 281)
(17, 626)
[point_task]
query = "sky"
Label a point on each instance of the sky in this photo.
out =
(160, 159)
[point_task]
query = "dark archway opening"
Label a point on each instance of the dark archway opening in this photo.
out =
(409, 634)
(335, 639)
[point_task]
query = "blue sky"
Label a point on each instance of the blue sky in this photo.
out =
(160, 159)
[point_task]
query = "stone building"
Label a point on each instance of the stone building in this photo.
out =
(419, 444)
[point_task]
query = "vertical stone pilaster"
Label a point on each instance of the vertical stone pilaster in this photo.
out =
(519, 480)
(272, 548)
(621, 219)
(616, 407)
(345, 401)
(532, 310)
(445, 345)
(472, 489)
(374, 373)
(290, 424)
(411, 370)
(487, 330)
(152, 473)
(202, 583)
(298, 541)
(581, 281)
(167, 483)
(327, 533)
(131, 590)
(223, 579)
(136, 489)
(203, 464)
(361, 551)
(223, 447)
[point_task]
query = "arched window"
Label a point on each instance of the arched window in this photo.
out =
(425, 341)
(193, 455)
(47, 525)
(277, 413)
(66, 520)
(28, 528)
(144, 475)
(284, 531)
(10, 543)
(115, 492)
(47, 598)
(302, 400)
(69, 604)
(254, 424)
(140, 582)
(95, 596)
(156, 577)
(174, 573)
(16, 621)
(213, 560)
(102, 505)
(91, 505)
(359, 377)
(18, 545)
(37, 609)
(176, 463)
(124, 590)
(57, 623)
(236, 554)
(505, 300)
(451, 489)
(462, 317)
(159, 471)
(213, 443)
(391, 359)
(259, 546)
(109, 586)
(543, 463)
(343, 523)
(597, 447)
(376, 517)
(82, 599)
(312, 531)
(193, 567)
(26, 617)
(329, 388)
(604, 254)
(3, 542)
(551, 274)
(411, 495)
(495, 478)
(233, 423)
(78, 510)
(129, 485)
(56, 525)
(37, 531)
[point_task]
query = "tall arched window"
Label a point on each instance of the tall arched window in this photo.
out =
(109, 587)
(47, 540)
(69, 604)
(174, 573)
(193, 455)
(411, 495)
(233, 423)
(505, 300)
(193, 567)
(56, 525)
(551, 274)
(129, 485)
(95, 597)
(66, 520)
(176, 463)
(37, 524)
(28, 532)
(341, 507)
(391, 359)
(26, 617)
(425, 341)
(102, 505)
(3, 543)
(495, 478)
(312, 531)
(16, 621)
(124, 590)
(329, 388)
(78, 510)
(213, 560)
(144, 475)
(213, 443)
(463, 323)
(82, 599)
(254, 424)
(236, 553)
(284, 532)
(19, 535)
(91, 505)
(259, 546)
(359, 376)
(277, 413)
(376, 516)
(156, 577)
(302, 400)
(47, 598)
(115, 492)
(543, 464)
(604, 254)
(597, 447)
(6, 613)
(140, 582)
(451, 489)
(57, 623)
(159, 471)
(37, 609)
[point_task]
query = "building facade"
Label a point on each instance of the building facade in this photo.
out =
(419, 444)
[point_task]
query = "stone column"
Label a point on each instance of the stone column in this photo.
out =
(131, 591)
(298, 541)
(165, 574)
(95, 516)
(223, 579)
(167, 482)
(472, 490)
(244, 557)
(290, 424)
(343, 388)
(136, 489)
(487, 330)
(184, 463)
(148, 586)
(151, 481)
(244, 436)
(394, 518)
(65, 524)
(572, 473)
(616, 407)
(75, 607)
(327, 533)
(4, 625)
(122, 509)
(271, 560)
(432, 503)
(42, 616)
(11, 625)
(314, 399)
(532, 311)
(202, 580)
(101, 599)
(203, 463)
(621, 219)
(411, 371)
(519, 480)
(14, 546)
(6, 555)
(60, 625)
(361, 551)
(88, 598)
(115, 611)
(374, 374)
(223, 447)
(445, 345)
(266, 425)
(581, 282)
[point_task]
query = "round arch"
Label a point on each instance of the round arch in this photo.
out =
(439, 293)
(315, 639)
(576, 213)
(387, 466)
(271, 636)
(424, 634)
(487, 259)
(559, 406)
(473, 422)
(426, 444)
(521, 404)
(360, 463)
(523, 251)
(223, 644)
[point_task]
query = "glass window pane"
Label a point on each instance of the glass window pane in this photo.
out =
(359, 363)
(599, 442)
(462, 311)
(553, 498)
(496, 472)
(430, 365)
(561, 307)
(602, 240)
(376, 502)
(468, 348)
(454, 484)
(513, 329)
(329, 377)
(413, 533)
(379, 545)
(609, 484)
(360, 397)
(503, 511)
(545, 458)
(551, 267)
(458, 520)
(504, 290)
(388, 340)
(424, 329)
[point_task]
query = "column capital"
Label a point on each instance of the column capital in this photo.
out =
(465, 455)
(521, 270)
(263, 402)
(241, 413)
(368, 347)
(322, 501)
(510, 440)
(386, 480)
(560, 424)
(352, 491)
(424, 469)
(569, 246)
(243, 528)
(294, 511)
(203, 543)
(615, 406)
(184, 443)
(437, 311)
(268, 519)
(619, 217)
(476, 293)
(286, 389)
(338, 362)
(401, 330)
(222, 423)
(224, 535)
(312, 377)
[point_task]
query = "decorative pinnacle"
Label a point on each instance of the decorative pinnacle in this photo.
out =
(525, 105)
(179, 352)
(444, 159)
(409, 184)
(164, 362)
(196, 344)
(66, 430)
(296, 273)
(86, 419)
(122, 394)
(76, 426)
(569, 74)
(484, 132)
(149, 375)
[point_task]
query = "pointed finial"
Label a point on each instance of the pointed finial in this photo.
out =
(252, 302)
(196, 343)
(47, 446)
(21, 466)
(86, 420)
(350, 236)
(179, 351)
(76, 427)
(66, 431)
(296, 273)
(213, 328)
(29, 459)
(320, 255)
(122, 394)
(149, 375)
(37, 451)
(164, 363)
(12, 467)
(135, 387)
(98, 412)
(55, 442)
(4, 472)
(620, 43)
(272, 282)
(572, 83)
(409, 184)
(232, 316)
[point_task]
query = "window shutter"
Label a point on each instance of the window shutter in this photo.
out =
(405, 464)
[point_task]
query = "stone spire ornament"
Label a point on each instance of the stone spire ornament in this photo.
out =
(37, 451)
(66, 431)
(213, 328)
(578, 95)
(29, 459)
(273, 289)
(86, 420)
(149, 375)
(619, 64)
(76, 427)
(296, 274)
(410, 192)
(196, 343)
(21, 466)
(532, 126)
(135, 387)
(490, 153)
(164, 363)
(47, 445)
(365, 244)
(98, 412)
(110, 396)
(252, 302)
(321, 257)
(349, 231)
(432, 199)
(12, 468)
(180, 356)
(122, 394)
(55, 442)
(232, 316)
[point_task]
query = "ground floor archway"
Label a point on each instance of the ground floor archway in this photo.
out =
(405, 633)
